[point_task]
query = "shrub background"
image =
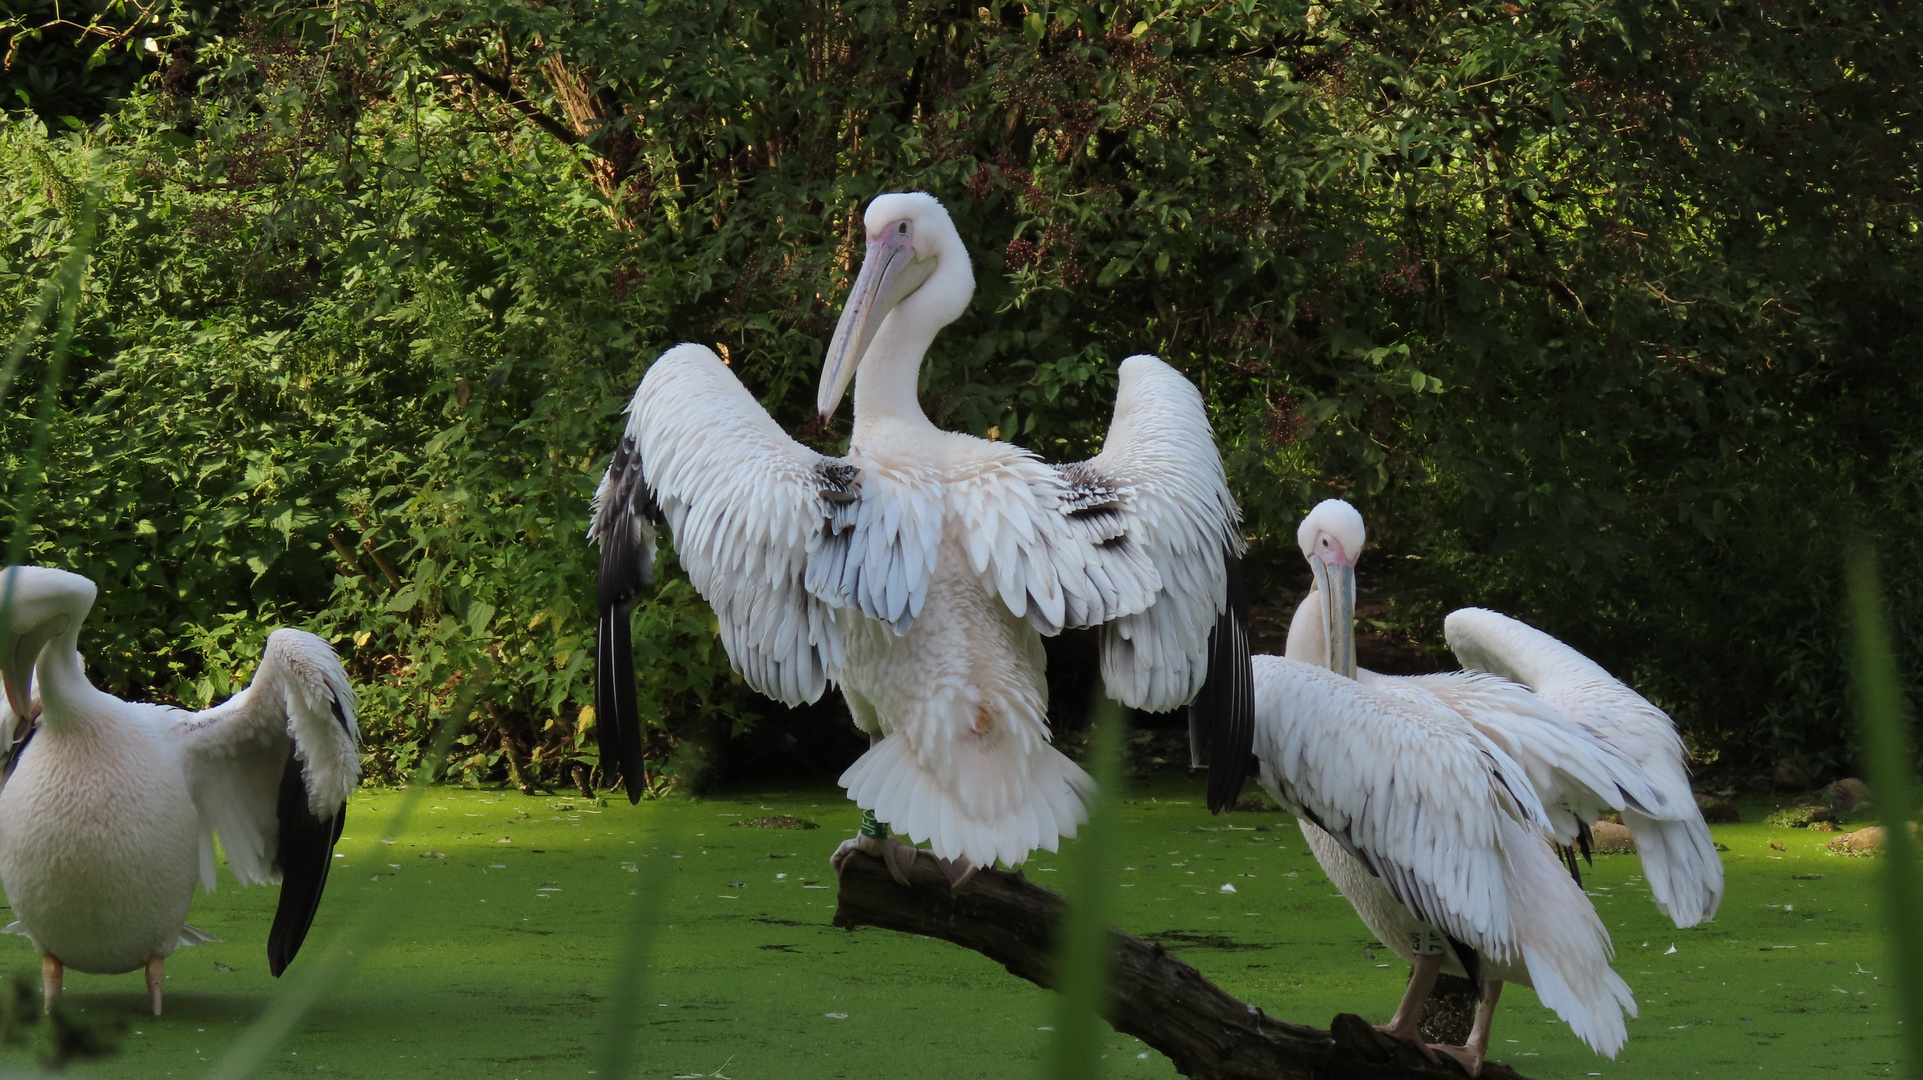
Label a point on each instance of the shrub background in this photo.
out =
(1603, 313)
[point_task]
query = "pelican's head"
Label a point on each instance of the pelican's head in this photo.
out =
(1331, 538)
(37, 604)
(910, 240)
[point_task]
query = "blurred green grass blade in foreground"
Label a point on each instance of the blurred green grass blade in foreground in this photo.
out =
(622, 1017)
(1083, 967)
(1889, 759)
(313, 978)
(63, 289)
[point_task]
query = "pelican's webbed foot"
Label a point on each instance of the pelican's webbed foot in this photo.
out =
(894, 854)
(1470, 1054)
(873, 839)
(1465, 1056)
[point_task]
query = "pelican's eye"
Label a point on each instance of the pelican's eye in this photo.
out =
(902, 227)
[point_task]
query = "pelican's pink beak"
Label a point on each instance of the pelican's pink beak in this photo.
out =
(889, 272)
(1334, 570)
(16, 669)
(25, 628)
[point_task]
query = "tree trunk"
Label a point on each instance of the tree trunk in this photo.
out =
(1157, 997)
(594, 118)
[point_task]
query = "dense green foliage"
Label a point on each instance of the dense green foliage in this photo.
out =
(1602, 313)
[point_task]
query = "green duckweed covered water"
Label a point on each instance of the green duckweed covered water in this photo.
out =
(511, 909)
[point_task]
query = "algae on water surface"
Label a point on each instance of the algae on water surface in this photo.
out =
(511, 910)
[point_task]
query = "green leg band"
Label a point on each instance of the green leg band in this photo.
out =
(872, 828)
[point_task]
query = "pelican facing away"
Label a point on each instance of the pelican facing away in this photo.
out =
(109, 807)
(919, 571)
(1436, 830)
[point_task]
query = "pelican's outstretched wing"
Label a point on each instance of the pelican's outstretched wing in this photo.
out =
(773, 535)
(270, 770)
(1678, 854)
(1157, 491)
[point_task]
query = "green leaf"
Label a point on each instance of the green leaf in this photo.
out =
(479, 615)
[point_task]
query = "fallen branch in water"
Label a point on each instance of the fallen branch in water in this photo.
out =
(1157, 998)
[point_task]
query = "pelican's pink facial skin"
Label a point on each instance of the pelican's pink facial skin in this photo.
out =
(1330, 551)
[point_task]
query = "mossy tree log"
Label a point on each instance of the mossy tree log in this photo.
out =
(1158, 997)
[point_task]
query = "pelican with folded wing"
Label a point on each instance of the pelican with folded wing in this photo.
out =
(109, 808)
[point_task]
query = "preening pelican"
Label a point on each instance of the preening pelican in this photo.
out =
(109, 807)
(1431, 827)
(920, 571)
(1589, 743)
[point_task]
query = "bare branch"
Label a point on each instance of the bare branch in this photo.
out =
(503, 88)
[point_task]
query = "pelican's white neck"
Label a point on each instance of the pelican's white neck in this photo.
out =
(68, 701)
(888, 384)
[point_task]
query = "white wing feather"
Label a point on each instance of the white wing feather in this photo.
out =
(1172, 508)
(1435, 824)
(1415, 792)
(236, 752)
(760, 540)
(1679, 856)
(1577, 774)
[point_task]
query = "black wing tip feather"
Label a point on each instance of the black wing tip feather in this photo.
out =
(305, 854)
(617, 720)
(1225, 708)
(1471, 962)
(623, 573)
(1583, 848)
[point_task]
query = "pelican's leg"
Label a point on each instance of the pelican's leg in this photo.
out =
(1470, 1054)
(156, 973)
(1421, 981)
(874, 839)
(51, 971)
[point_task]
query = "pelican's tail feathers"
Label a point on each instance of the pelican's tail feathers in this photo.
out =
(983, 799)
(1679, 859)
(1564, 945)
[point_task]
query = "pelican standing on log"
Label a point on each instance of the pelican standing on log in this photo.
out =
(1571, 724)
(1434, 829)
(109, 808)
(919, 572)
